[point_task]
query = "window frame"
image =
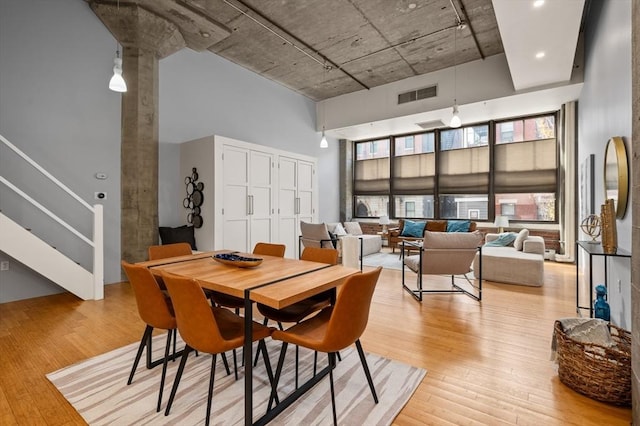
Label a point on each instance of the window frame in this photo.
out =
(491, 125)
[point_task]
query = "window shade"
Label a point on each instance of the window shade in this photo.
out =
(371, 176)
(414, 174)
(526, 167)
(464, 171)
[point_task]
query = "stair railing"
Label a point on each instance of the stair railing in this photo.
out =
(97, 242)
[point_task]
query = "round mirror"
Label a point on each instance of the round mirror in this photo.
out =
(616, 175)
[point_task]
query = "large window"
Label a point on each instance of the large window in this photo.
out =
(526, 168)
(473, 172)
(371, 183)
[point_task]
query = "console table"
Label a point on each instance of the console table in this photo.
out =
(594, 249)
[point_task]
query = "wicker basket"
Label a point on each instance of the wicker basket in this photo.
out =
(598, 372)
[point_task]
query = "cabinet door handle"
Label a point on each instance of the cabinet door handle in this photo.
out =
(251, 204)
(248, 205)
(297, 205)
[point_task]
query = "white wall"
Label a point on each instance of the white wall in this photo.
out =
(202, 94)
(56, 59)
(604, 110)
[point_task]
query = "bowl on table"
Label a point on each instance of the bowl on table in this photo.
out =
(238, 260)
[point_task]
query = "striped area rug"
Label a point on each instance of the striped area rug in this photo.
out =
(97, 389)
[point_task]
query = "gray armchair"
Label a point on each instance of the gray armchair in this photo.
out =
(445, 253)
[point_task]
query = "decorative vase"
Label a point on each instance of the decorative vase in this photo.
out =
(601, 307)
(609, 232)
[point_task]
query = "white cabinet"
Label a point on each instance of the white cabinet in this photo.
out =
(251, 192)
(296, 190)
(247, 205)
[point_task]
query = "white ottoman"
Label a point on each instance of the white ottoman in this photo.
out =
(508, 265)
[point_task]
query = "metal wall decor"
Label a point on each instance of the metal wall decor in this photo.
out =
(193, 200)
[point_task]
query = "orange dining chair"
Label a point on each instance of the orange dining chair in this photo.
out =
(300, 310)
(334, 329)
(164, 251)
(208, 329)
(155, 309)
(169, 250)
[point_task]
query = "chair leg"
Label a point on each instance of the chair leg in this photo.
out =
(212, 379)
(315, 362)
(175, 337)
(297, 358)
(225, 362)
(332, 364)
(235, 365)
(164, 368)
(176, 381)
(143, 342)
(365, 366)
(262, 347)
(276, 379)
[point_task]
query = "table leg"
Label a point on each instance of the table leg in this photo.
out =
(578, 280)
(590, 286)
(248, 360)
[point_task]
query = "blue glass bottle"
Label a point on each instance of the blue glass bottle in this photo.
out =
(601, 307)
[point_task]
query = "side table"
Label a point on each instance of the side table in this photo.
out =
(385, 238)
(594, 249)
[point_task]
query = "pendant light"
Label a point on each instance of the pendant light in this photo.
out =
(455, 119)
(323, 142)
(117, 83)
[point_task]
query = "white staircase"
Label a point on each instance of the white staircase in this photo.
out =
(31, 251)
(27, 248)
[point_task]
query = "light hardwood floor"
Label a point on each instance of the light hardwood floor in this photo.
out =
(488, 363)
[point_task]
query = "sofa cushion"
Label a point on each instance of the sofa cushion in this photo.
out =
(353, 228)
(458, 225)
(437, 225)
(459, 240)
(339, 230)
(522, 236)
(503, 240)
(181, 234)
(413, 229)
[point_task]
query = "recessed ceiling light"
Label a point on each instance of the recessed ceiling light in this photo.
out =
(538, 3)
(412, 5)
(205, 34)
(539, 55)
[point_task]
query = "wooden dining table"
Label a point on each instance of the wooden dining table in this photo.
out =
(277, 282)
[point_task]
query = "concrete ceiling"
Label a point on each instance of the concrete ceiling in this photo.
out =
(366, 43)
(370, 43)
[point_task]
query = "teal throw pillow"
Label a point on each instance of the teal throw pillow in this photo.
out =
(413, 229)
(503, 240)
(458, 225)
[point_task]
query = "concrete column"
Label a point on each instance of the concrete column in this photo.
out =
(139, 154)
(635, 210)
(146, 38)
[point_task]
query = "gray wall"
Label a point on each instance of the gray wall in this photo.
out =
(605, 111)
(202, 94)
(56, 59)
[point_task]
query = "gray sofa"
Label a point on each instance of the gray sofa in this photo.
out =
(370, 243)
(520, 263)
